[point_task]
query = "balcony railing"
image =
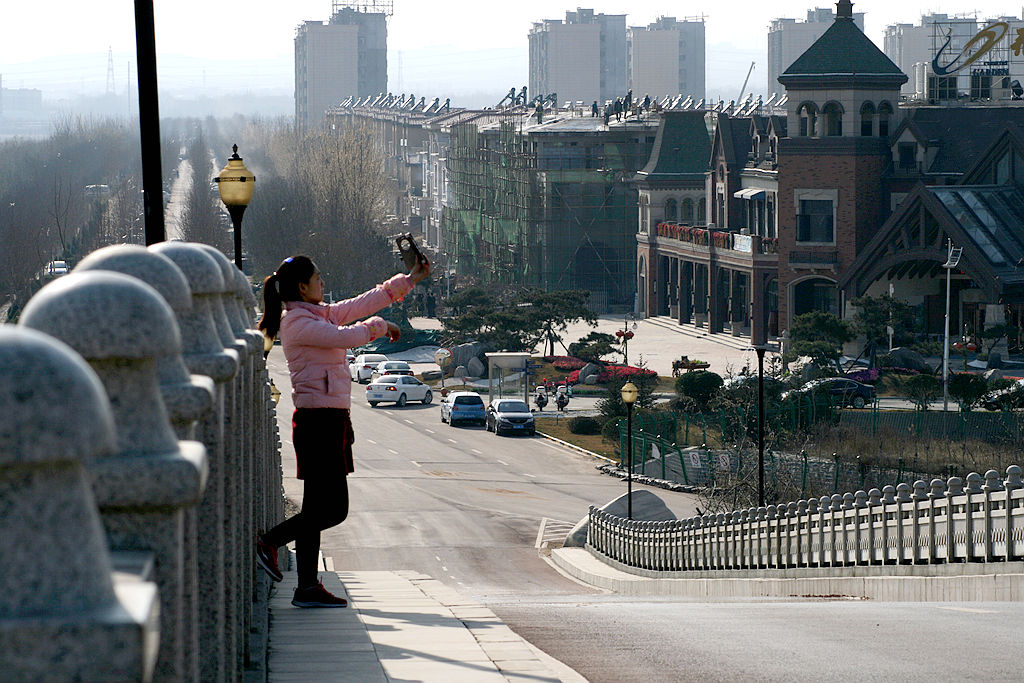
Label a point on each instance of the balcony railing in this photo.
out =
(719, 239)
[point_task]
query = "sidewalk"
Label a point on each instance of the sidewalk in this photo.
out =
(399, 626)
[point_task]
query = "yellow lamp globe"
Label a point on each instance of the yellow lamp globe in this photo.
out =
(629, 393)
(235, 182)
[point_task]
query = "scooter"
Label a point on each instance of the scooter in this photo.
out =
(561, 399)
(540, 399)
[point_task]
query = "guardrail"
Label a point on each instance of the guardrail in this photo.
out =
(138, 458)
(943, 522)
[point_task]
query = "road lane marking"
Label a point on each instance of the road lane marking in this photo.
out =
(392, 452)
(429, 431)
(478, 452)
(416, 463)
(503, 463)
(969, 610)
(531, 476)
(371, 441)
(408, 421)
(453, 440)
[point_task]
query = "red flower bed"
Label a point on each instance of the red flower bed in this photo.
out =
(565, 363)
(625, 372)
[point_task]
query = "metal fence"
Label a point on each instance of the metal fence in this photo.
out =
(923, 524)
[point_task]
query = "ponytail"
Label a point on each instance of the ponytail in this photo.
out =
(280, 286)
(270, 322)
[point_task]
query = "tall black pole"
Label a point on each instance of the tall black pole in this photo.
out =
(629, 472)
(760, 426)
(236, 220)
(149, 122)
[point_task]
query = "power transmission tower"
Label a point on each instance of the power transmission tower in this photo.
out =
(110, 70)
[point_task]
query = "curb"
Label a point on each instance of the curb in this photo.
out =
(574, 447)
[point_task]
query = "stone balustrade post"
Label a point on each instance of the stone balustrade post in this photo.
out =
(63, 615)
(240, 544)
(121, 326)
(204, 354)
(188, 399)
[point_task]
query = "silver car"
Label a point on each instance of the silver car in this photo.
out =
(510, 416)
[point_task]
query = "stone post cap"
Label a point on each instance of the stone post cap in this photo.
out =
(104, 315)
(223, 263)
(52, 405)
(245, 289)
(154, 269)
(201, 271)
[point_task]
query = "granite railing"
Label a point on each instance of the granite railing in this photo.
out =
(139, 457)
(944, 522)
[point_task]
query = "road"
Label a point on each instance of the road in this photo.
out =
(467, 507)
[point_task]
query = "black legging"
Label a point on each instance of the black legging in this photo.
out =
(324, 504)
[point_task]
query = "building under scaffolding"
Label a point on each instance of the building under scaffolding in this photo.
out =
(547, 203)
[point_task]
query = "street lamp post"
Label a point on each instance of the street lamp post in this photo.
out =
(629, 395)
(235, 184)
(625, 334)
(760, 425)
(952, 260)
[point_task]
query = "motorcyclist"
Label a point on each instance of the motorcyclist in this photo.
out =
(540, 397)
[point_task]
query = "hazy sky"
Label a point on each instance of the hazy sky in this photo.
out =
(60, 46)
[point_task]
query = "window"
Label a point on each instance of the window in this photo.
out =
(907, 156)
(833, 119)
(814, 222)
(808, 120)
(702, 211)
(867, 120)
(686, 213)
(670, 210)
(884, 112)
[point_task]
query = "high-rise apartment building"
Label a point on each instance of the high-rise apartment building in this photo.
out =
(582, 59)
(344, 57)
(667, 58)
(790, 38)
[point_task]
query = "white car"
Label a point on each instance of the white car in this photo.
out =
(392, 367)
(363, 366)
(57, 268)
(397, 389)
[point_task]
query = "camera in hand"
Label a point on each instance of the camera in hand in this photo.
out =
(411, 255)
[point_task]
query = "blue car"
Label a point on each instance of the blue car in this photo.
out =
(463, 406)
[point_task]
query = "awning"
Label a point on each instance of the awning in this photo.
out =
(749, 193)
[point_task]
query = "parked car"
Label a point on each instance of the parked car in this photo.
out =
(57, 268)
(350, 357)
(463, 406)
(1010, 398)
(841, 391)
(397, 389)
(510, 415)
(392, 367)
(363, 366)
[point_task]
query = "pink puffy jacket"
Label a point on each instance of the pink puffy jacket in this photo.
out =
(314, 342)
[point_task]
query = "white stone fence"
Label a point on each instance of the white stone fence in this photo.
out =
(139, 457)
(944, 522)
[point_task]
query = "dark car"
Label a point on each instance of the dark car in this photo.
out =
(510, 416)
(1009, 398)
(840, 390)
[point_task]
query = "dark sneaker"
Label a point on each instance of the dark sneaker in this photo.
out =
(266, 557)
(317, 596)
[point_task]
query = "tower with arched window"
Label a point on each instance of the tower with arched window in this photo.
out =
(841, 110)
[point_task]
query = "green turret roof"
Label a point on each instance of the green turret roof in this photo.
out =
(843, 52)
(682, 147)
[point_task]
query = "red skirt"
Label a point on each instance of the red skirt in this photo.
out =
(323, 440)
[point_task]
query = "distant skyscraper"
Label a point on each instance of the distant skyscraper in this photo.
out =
(346, 56)
(789, 38)
(581, 59)
(667, 58)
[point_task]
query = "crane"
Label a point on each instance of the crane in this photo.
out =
(745, 80)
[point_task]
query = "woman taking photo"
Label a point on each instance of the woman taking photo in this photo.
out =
(315, 337)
